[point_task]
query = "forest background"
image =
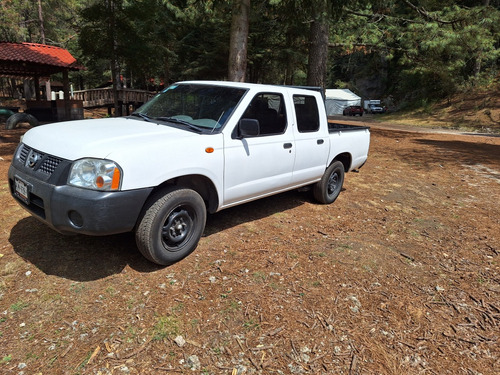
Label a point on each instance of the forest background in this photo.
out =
(408, 52)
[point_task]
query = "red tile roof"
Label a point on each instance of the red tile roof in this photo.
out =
(33, 57)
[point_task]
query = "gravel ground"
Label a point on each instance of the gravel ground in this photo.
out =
(399, 276)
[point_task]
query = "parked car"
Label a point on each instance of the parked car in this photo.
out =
(353, 110)
(376, 109)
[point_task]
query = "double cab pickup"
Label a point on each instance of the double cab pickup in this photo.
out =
(197, 147)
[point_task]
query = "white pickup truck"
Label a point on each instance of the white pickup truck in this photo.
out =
(195, 147)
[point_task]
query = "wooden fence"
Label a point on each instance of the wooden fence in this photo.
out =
(94, 98)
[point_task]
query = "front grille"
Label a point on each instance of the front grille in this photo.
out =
(48, 163)
(23, 154)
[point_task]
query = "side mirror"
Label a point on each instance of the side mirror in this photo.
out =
(248, 127)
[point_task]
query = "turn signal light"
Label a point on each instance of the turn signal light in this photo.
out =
(99, 182)
(115, 183)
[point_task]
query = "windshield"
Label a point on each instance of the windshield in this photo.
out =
(206, 107)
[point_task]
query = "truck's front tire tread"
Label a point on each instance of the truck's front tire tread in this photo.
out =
(171, 226)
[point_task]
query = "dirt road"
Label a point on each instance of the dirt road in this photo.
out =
(399, 276)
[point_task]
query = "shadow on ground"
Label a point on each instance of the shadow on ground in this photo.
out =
(78, 258)
(255, 210)
(469, 152)
(86, 258)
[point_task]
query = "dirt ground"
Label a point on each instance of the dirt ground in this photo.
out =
(399, 276)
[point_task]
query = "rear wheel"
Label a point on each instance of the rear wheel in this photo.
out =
(328, 188)
(171, 226)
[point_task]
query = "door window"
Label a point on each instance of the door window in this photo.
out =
(306, 110)
(269, 110)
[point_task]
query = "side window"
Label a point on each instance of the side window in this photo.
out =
(269, 110)
(306, 110)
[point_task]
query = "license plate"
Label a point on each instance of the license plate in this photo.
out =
(22, 190)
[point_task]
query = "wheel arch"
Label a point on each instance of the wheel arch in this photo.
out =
(199, 183)
(345, 158)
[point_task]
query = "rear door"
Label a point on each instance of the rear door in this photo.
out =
(312, 143)
(258, 165)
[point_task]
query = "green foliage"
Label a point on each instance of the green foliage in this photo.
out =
(165, 327)
(18, 306)
(451, 54)
(410, 49)
(20, 21)
(416, 50)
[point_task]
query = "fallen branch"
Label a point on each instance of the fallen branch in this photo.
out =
(262, 347)
(275, 332)
(492, 249)
(94, 354)
(66, 351)
(407, 257)
(354, 364)
(134, 352)
(408, 345)
(494, 307)
(253, 362)
(318, 357)
(459, 339)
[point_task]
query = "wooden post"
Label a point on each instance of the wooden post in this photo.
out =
(37, 88)
(27, 89)
(67, 106)
(48, 90)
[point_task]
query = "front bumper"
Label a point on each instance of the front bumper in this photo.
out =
(69, 209)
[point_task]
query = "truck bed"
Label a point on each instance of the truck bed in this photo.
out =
(335, 127)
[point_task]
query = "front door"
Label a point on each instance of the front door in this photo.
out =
(256, 166)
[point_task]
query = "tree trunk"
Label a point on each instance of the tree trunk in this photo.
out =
(238, 42)
(318, 46)
(479, 59)
(115, 66)
(40, 19)
(115, 72)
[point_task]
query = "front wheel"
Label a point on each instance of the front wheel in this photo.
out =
(328, 188)
(171, 226)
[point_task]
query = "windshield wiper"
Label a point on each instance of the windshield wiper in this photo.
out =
(143, 116)
(179, 121)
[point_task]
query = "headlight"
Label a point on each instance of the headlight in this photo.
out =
(96, 174)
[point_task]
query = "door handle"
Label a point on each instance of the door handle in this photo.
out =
(320, 141)
(287, 145)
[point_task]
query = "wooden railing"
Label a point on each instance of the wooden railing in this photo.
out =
(93, 98)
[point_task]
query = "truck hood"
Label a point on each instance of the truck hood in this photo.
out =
(100, 138)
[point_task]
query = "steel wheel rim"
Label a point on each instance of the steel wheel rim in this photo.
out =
(332, 183)
(177, 227)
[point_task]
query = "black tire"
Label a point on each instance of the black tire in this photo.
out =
(171, 226)
(328, 188)
(17, 118)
